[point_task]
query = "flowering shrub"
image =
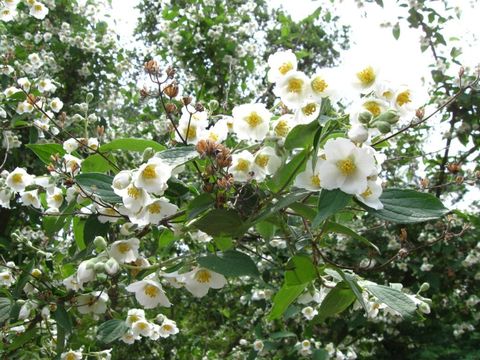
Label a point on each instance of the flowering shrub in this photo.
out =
(253, 208)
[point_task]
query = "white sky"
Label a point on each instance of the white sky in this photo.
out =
(403, 56)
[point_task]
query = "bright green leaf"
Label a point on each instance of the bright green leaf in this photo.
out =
(329, 202)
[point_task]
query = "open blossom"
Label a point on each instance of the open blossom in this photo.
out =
(70, 145)
(323, 84)
(54, 197)
(154, 211)
(6, 278)
(371, 195)
(19, 179)
(71, 355)
(167, 328)
(280, 64)
(346, 166)
(7, 14)
(38, 10)
(95, 303)
(153, 176)
(199, 280)
(307, 113)
(190, 130)
(293, 89)
(364, 77)
(309, 312)
(216, 133)
(282, 126)
(142, 327)
(56, 105)
(46, 85)
(266, 162)
(309, 179)
(125, 251)
(251, 121)
(149, 293)
(242, 165)
(134, 198)
(30, 198)
(135, 315)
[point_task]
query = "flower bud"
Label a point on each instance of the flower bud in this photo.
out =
(420, 113)
(213, 105)
(424, 287)
(365, 117)
(147, 154)
(424, 308)
(389, 116)
(100, 243)
(99, 267)
(383, 126)
(45, 312)
(89, 97)
(112, 266)
(358, 133)
(36, 273)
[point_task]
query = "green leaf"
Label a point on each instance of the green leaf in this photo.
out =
(301, 136)
(220, 222)
(266, 229)
(330, 202)
(357, 290)
(22, 339)
(98, 184)
(408, 206)
(229, 263)
(282, 335)
(177, 156)
(283, 298)
(224, 243)
(45, 151)
(340, 229)
(286, 174)
(200, 204)
(97, 163)
(132, 144)
(111, 330)
(63, 319)
(5, 307)
(93, 228)
(166, 238)
(300, 270)
(282, 202)
(336, 301)
(396, 31)
(320, 354)
(394, 299)
(78, 233)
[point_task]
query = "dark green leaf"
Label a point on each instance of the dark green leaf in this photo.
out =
(336, 301)
(93, 228)
(63, 319)
(408, 206)
(329, 203)
(45, 151)
(78, 233)
(300, 270)
(301, 136)
(340, 229)
(97, 163)
(5, 307)
(98, 184)
(229, 263)
(111, 330)
(220, 222)
(394, 299)
(286, 174)
(283, 298)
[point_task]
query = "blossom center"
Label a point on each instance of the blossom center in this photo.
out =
(403, 98)
(151, 290)
(309, 109)
(70, 356)
(319, 85)
(253, 120)
(262, 160)
(282, 128)
(347, 167)
(285, 67)
(17, 178)
(134, 318)
(366, 76)
(315, 180)
(203, 276)
(373, 107)
(149, 172)
(191, 132)
(123, 247)
(38, 7)
(133, 192)
(154, 208)
(242, 165)
(367, 193)
(295, 85)
(57, 197)
(167, 327)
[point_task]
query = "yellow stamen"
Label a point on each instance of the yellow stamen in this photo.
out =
(149, 172)
(242, 165)
(262, 160)
(366, 76)
(154, 208)
(347, 167)
(17, 178)
(253, 119)
(151, 290)
(123, 247)
(309, 109)
(285, 67)
(315, 180)
(203, 276)
(282, 128)
(373, 107)
(403, 98)
(295, 85)
(133, 192)
(319, 85)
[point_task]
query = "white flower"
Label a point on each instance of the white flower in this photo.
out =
(19, 179)
(154, 211)
(251, 121)
(307, 113)
(71, 283)
(71, 355)
(129, 337)
(149, 293)
(358, 133)
(95, 303)
(142, 327)
(371, 195)
(6, 278)
(85, 273)
(322, 85)
(121, 181)
(365, 77)
(241, 165)
(5, 197)
(135, 315)
(46, 85)
(24, 83)
(10, 91)
(266, 162)
(72, 163)
(293, 89)
(70, 145)
(200, 236)
(153, 176)
(30, 198)
(309, 179)
(191, 130)
(38, 11)
(406, 101)
(56, 104)
(11, 3)
(309, 312)
(217, 133)
(54, 197)
(7, 14)
(134, 198)
(168, 327)
(346, 166)
(280, 64)
(125, 251)
(258, 345)
(92, 144)
(282, 126)
(199, 280)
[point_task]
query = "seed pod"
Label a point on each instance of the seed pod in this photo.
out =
(383, 126)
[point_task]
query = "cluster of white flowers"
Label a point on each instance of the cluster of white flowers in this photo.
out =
(139, 326)
(9, 12)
